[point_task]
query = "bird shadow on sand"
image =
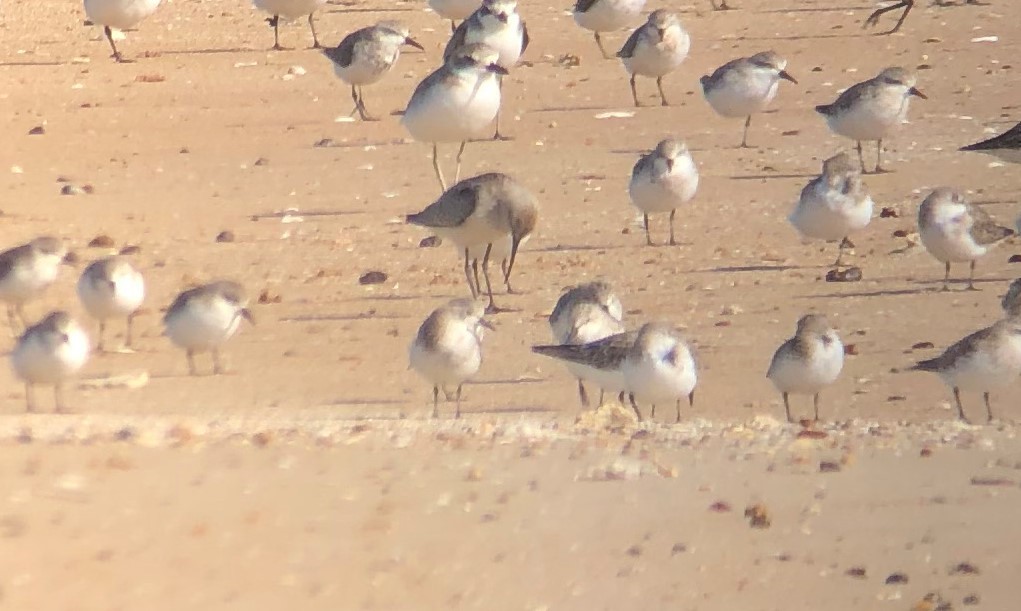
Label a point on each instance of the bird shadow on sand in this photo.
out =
(377, 9)
(802, 37)
(534, 409)
(507, 381)
(771, 176)
(581, 107)
(15, 64)
(293, 213)
(923, 287)
(817, 9)
(343, 317)
(882, 293)
(580, 248)
(210, 51)
(747, 268)
(330, 143)
(363, 401)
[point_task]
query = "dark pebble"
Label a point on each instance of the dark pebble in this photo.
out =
(896, 578)
(101, 241)
(430, 242)
(372, 278)
(225, 236)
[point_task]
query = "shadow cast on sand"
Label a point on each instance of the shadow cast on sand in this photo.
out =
(748, 268)
(363, 401)
(211, 51)
(312, 213)
(582, 248)
(772, 176)
(350, 9)
(815, 9)
(343, 317)
(508, 410)
(581, 107)
(507, 381)
(17, 64)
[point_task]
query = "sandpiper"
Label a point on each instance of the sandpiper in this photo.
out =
(954, 231)
(599, 362)
(606, 16)
(49, 352)
(456, 102)
(745, 86)
(119, 14)
(481, 211)
(584, 314)
(655, 49)
(290, 10)
(447, 350)
(497, 25)
(111, 288)
(660, 368)
(907, 5)
(1006, 147)
(25, 272)
(367, 55)
(201, 319)
(870, 110)
(834, 205)
(986, 360)
(662, 181)
(807, 362)
(454, 10)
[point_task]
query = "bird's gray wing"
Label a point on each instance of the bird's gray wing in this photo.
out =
(1010, 139)
(457, 39)
(985, 230)
(632, 41)
(605, 354)
(452, 209)
(954, 353)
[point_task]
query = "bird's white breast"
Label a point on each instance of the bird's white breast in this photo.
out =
(289, 9)
(610, 15)
(119, 14)
(453, 111)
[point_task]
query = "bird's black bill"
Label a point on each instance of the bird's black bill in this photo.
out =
(497, 69)
(915, 92)
(414, 43)
(247, 315)
(787, 77)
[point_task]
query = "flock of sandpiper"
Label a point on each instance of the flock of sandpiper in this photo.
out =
(489, 216)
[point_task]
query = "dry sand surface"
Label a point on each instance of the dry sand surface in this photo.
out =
(311, 477)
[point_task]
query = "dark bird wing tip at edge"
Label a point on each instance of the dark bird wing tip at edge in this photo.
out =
(926, 365)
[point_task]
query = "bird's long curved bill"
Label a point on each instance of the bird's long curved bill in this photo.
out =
(915, 92)
(787, 77)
